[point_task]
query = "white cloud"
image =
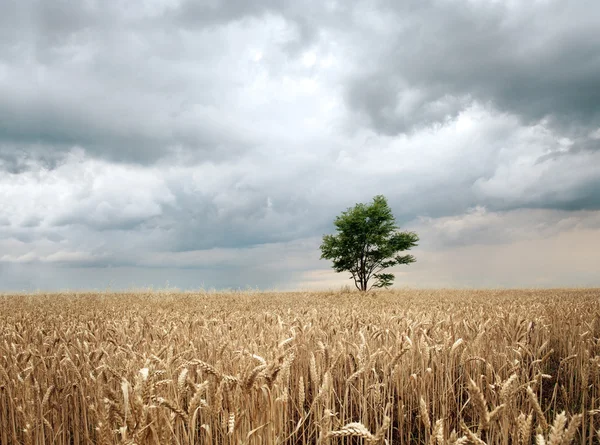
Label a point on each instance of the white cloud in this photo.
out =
(83, 191)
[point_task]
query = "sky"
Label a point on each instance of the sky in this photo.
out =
(210, 144)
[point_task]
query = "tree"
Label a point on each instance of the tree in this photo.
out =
(368, 242)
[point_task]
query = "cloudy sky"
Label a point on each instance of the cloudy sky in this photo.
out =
(207, 143)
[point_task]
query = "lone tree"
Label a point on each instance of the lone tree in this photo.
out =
(368, 242)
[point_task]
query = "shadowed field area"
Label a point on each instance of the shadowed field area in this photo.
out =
(402, 367)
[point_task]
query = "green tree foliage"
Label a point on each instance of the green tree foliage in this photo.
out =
(368, 242)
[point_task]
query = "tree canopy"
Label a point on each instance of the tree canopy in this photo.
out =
(367, 243)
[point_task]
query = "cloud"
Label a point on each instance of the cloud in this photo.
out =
(438, 57)
(478, 226)
(119, 87)
(125, 214)
(222, 138)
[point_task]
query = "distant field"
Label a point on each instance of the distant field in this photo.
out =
(406, 367)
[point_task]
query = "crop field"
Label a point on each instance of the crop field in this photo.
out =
(396, 367)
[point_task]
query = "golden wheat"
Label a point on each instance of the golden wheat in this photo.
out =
(396, 367)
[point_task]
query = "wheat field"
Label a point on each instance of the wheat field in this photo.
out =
(396, 367)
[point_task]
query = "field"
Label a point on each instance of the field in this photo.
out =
(397, 367)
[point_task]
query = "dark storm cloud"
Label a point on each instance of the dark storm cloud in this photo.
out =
(212, 137)
(38, 29)
(209, 14)
(112, 81)
(412, 64)
(255, 221)
(18, 158)
(307, 18)
(534, 59)
(580, 145)
(120, 132)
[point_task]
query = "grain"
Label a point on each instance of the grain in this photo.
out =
(396, 367)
